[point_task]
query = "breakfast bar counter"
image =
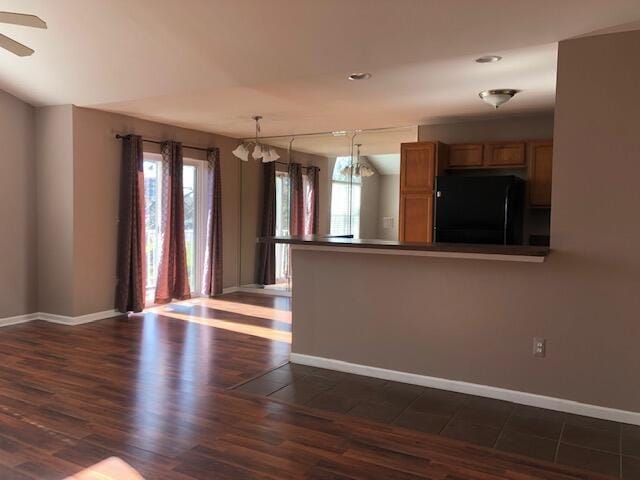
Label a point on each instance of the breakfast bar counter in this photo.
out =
(512, 253)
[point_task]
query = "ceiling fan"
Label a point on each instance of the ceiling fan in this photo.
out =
(19, 19)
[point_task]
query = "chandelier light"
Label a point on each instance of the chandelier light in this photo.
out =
(264, 152)
(357, 168)
(242, 152)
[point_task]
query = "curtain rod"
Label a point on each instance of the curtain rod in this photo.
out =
(202, 149)
(158, 142)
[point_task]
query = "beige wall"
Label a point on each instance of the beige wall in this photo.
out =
(389, 206)
(475, 320)
(54, 174)
(18, 248)
(61, 249)
(529, 127)
(96, 185)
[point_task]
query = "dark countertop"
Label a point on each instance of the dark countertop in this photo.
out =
(460, 248)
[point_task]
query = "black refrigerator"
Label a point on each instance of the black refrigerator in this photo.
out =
(479, 209)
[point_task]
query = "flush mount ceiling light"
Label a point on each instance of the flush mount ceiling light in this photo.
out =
(489, 59)
(360, 76)
(497, 97)
(264, 152)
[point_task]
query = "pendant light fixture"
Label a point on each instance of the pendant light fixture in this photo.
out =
(357, 168)
(265, 152)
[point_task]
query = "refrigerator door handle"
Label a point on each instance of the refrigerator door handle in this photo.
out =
(506, 214)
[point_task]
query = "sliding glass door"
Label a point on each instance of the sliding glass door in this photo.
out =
(189, 179)
(193, 189)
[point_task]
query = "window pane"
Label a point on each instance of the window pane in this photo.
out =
(189, 191)
(340, 215)
(307, 205)
(152, 198)
(355, 210)
(340, 208)
(282, 226)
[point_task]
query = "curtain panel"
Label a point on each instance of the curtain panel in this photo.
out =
(296, 200)
(173, 279)
(266, 252)
(212, 272)
(131, 267)
(312, 201)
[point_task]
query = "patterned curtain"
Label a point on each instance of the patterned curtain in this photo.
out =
(266, 254)
(212, 274)
(312, 201)
(131, 268)
(173, 280)
(296, 200)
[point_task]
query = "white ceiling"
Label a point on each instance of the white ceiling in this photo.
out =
(211, 64)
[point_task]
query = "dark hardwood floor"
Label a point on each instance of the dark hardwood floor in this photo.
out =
(152, 390)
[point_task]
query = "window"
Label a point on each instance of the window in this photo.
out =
(153, 219)
(282, 226)
(193, 190)
(190, 219)
(345, 201)
(307, 205)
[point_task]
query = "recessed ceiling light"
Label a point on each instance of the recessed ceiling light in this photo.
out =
(489, 59)
(360, 76)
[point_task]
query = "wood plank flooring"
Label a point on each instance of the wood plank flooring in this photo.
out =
(152, 389)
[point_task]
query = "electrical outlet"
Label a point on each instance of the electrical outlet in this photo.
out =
(539, 347)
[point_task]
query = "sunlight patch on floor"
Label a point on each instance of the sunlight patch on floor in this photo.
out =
(241, 308)
(256, 331)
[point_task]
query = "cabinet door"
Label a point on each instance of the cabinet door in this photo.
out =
(465, 155)
(540, 171)
(416, 214)
(504, 155)
(417, 166)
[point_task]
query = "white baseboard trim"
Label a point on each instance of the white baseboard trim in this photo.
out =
(91, 317)
(230, 290)
(265, 291)
(60, 319)
(523, 398)
(18, 319)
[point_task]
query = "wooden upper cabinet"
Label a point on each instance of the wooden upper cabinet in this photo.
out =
(487, 155)
(465, 155)
(417, 166)
(505, 154)
(420, 162)
(540, 170)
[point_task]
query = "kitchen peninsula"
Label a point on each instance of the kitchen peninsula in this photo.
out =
(469, 325)
(514, 253)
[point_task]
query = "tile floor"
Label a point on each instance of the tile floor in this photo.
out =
(596, 445)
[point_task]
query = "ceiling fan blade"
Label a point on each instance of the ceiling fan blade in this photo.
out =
(22, 19)
(15, 47)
